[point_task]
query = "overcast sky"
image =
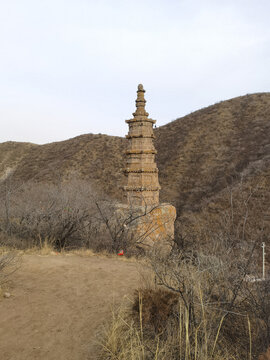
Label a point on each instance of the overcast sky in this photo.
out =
(70, 67)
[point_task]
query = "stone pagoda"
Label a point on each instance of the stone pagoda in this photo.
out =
(142, 185)
(149, 222)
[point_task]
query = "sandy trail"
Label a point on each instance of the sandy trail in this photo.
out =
(59, 304)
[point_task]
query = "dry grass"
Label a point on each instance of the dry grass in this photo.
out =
(128, 337)
(102, 254)
(9, 263)
(198, 308)
(48, 249)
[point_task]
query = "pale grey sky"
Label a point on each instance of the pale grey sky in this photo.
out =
(72, 67)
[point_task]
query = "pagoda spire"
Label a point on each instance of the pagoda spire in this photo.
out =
(140, 103)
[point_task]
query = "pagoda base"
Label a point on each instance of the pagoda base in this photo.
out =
(149, 228)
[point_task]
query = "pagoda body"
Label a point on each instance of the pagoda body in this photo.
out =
(142, 173)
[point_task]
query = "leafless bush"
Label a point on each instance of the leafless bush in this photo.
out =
(256, 297)
(231, 229)
(120, 222)
(212, 285)
(63, 214)
(68, 215)
(194, 311)
(9, 263)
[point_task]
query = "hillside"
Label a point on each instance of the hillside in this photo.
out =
(202, 153)
(199, 155)
(97, 158)
(11, 153)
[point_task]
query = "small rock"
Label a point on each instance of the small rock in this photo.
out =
(7, 295)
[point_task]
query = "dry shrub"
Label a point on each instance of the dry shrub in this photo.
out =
(157, 306)
(67, 216)
(213, 286)
(231, 229)
(9, 263)
(126, 337)
(256, 301)
(121, 339)
(33, 213)
(13, 242)
(200, 308)
(55, 214)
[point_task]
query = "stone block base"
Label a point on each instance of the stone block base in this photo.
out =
(150, 227)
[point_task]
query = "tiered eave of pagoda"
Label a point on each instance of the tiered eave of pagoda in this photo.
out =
(142, 184)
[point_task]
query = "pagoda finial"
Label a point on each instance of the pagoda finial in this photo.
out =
(140, 102)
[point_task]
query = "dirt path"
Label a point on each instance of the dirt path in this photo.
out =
(58, 305)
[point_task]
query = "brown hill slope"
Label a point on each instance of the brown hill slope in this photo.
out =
(97, 158)
(198, 155)
(11, 153)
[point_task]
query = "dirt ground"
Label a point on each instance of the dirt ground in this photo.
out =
(58, 305)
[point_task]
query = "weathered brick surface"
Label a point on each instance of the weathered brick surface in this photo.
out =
(142, 187)
(154, 224)
(152, 227)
